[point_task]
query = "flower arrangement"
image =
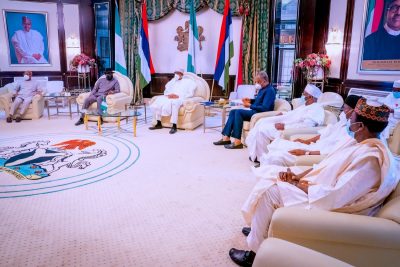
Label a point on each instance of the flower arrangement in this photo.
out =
(82, 60)
(313, 64)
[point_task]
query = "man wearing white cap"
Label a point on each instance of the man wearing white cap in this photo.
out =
(311, 114)
(393, 102)
(176, 91)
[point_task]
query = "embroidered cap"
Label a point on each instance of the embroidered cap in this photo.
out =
(313, 90)
(372, 110)
(396, 84)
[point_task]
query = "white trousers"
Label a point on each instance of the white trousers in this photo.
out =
(17, 102)
(166, 107)
(268, 203)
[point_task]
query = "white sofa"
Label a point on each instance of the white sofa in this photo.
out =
(116, 102)
(191, 113)
(35, 110)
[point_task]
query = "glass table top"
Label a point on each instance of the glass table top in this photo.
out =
(125, 113)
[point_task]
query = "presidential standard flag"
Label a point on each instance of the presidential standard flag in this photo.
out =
(225, 49)
(145, 62)
(194, 46)
(120, 63)
(374, 15)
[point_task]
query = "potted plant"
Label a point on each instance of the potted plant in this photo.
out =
(82, 63)
(314, 66)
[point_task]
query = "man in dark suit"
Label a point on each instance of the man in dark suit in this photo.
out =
(263, 102)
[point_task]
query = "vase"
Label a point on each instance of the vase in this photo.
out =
(316, 73)
(83, 68)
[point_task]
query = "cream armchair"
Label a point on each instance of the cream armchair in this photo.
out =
(116, 102)
(35, 109)
(275, 252)
(355, 239)
(191, 113)
(280, 105)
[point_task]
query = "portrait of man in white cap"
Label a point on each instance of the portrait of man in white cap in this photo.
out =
(27, 45)
(393, 102)
(176, 91)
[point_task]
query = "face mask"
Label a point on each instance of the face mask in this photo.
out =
(176, 77)
(258, 86)
(396, 94)
(303, 98)
(342, 116)
(109, 77)
(349, 132)
(26, 77)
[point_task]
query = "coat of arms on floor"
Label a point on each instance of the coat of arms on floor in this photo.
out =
(31, 165)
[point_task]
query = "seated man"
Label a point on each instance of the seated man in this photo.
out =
(264, 102)
(356, 180)
(285, 152)
(393, 102)
(311, 114)
(103, 87)
(25, 91)
(176, 91)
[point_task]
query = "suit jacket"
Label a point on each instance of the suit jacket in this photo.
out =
(264, 100)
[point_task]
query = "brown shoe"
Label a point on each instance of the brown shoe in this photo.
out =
(18, 119)
(9, 119)
(233, 146)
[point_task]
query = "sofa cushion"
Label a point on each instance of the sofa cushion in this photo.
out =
(246, 125)
(391, 210)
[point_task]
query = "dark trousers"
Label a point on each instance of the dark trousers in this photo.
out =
(90, 100)
(234, 125)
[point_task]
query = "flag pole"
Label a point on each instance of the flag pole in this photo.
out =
(212, 89)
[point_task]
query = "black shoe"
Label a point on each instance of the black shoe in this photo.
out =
(246, 230)
(79, 122)
(257, 165)
(173, 130)
(255, 160)
(242, 257)
(155, 127)
(222, 142)
(9, 119)
(18, 119)
(233, 146)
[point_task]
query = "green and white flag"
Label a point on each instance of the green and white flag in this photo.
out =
(194, 45)
(120, 63)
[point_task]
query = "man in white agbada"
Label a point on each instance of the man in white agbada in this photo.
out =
(176, 91)
(285, 152)
(393, 102)
(28, 44)
(24, 93)
(356, 179)
(310, 114)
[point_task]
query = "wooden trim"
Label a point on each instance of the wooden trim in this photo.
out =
(61, 38)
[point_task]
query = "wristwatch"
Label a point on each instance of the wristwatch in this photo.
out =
(307, 153)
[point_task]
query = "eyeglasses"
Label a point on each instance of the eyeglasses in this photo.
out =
(394, 8)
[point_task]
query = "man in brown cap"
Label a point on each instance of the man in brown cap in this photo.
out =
(353, 179)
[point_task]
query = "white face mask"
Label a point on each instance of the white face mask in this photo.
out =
(258, 86)
(176, 77)
(26, 77)
(342, 117)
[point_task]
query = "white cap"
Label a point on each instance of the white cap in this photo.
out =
(179, 70)
(396, 84)
(313, 90)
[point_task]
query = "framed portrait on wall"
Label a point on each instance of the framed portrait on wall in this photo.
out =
(380, 38)
(27, 38)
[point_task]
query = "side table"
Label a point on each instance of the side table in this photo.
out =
(135, 107)
(208, 108)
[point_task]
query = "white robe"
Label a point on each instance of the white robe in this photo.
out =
(264, 131)
(26, 44)
(393, 103)
(163, 106)
(332, 136)
(355, 179)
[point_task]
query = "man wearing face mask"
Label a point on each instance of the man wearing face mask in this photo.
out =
(355, 179)
(310, 114)
(176, 92)
(104, 86)
(25, 91)
(263, 102)
(393, 102)
(285, 152)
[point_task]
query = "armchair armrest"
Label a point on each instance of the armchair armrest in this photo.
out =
(256, 117)
(6, 96)
(302, 136)
(190, 103)
(111, 99)
(3, 90)
(81, 98)
(309, 160)
(333, 227)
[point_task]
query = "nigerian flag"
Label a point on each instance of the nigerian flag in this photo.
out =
(120, 63)
(194, 45)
